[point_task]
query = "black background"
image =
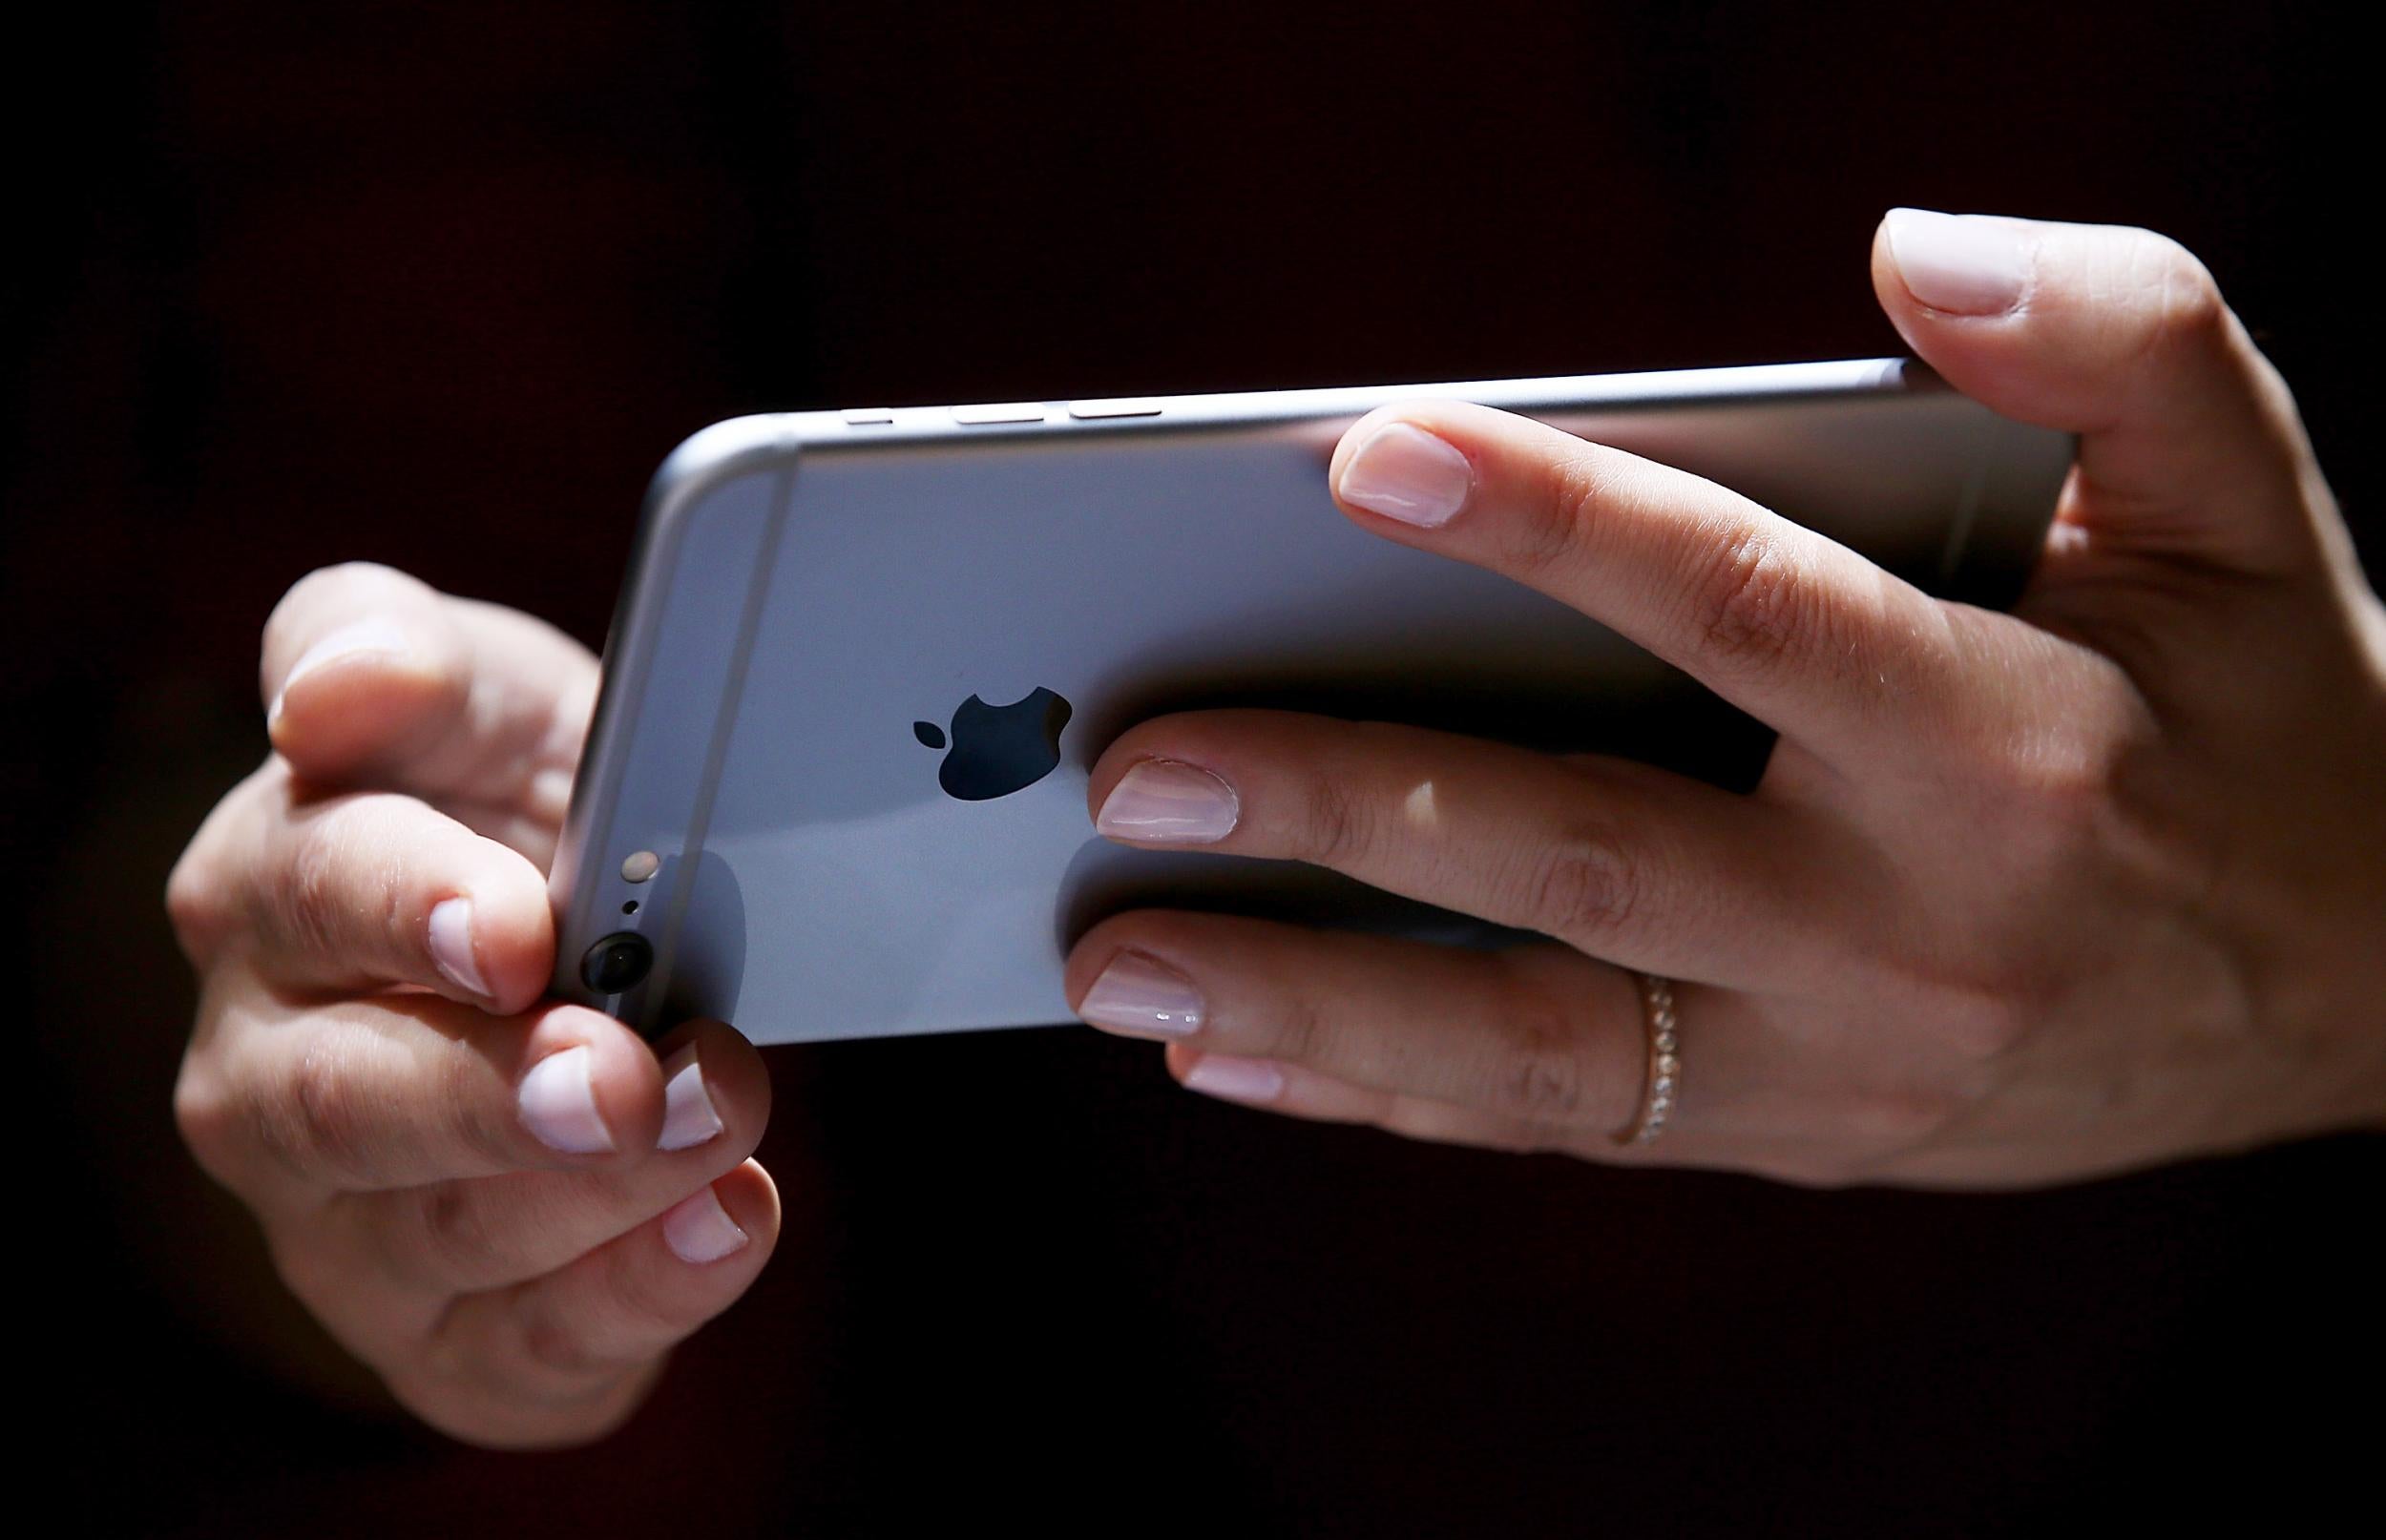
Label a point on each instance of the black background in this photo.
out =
(438, 285)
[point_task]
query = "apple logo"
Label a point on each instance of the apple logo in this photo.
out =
(997, 750)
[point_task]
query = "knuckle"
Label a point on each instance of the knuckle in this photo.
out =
(308, 895)
(450, 1234)
(202, 891)
(560, 1346)
(1548, 1080)
(648, 1306)
(1982, 1006)
(637, 1315)
(1334, 825)
(1555, 538)
(1984, 1026)
(335, 891)
(196, 906)
(1583, 886)
(2170, 311)
(2190, 308)
(1878, 1130)
(2059, 788)
(487, 1134)
(1545, 1077)
(1749, 603)
(204, 1116)
(1892, 1120)
(1298, 1030)
(319, 1125)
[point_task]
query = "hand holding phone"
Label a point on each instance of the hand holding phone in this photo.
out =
(2019, 899)
(509, 1207)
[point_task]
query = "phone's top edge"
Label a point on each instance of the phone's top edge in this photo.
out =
(724, 448)
(859, 428)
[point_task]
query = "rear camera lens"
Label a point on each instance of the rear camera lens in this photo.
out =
(616, 962)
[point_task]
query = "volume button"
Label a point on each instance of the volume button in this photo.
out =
(1015, 411)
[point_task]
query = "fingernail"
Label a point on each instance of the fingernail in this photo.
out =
(1215, 1075)
(1137, 994)
(374, 634)
(452, 945)
(688, 1118)
(558, 1103)
(1165, 800)
(1406, 473)
(699, 1230)
(1966, 264)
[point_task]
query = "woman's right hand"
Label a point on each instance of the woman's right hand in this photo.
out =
(510, 1209)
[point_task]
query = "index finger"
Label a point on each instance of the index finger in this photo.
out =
(1790, 626)
(373, 677)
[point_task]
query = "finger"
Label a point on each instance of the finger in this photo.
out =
(460, 1237)
(557, 1354)
(289, 1099)
(1535, 1047)
(372, 677)
(1834, 1160)
(1537, 1038)
(2188, 438)
(1297, 1090)
(1631, 864)
(1796, 629)
(365, 889)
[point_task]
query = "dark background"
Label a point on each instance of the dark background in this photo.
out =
(438, 285)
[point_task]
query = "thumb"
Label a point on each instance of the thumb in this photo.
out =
(2189, 443)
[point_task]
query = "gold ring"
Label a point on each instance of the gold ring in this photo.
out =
(1659, 1082)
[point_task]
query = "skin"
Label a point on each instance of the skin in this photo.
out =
(2020, 899)
(364, 1103)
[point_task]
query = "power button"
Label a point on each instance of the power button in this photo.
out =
(1011, 411)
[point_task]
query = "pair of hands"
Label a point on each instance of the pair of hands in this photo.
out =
(2019, 899)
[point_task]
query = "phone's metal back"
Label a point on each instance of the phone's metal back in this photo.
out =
(809, 587)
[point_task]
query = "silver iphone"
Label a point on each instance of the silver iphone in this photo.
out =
(835, 786)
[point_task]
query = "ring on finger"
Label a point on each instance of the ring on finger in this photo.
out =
(1662, 1080)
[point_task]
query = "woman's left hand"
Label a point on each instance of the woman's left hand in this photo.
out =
(2020, 898)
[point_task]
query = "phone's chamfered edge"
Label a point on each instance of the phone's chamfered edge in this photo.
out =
(1653, 390)
(645, 1006)
(707, 459)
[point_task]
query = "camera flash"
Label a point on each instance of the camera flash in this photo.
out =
(639, 865)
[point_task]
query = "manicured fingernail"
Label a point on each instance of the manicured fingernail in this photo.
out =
(372, 635)
(1139, 996)
(699, 1230)
(452, 945)
(1406, 473)
(1168, 802)
(688, 1118)
(558, 1103)
(1216, 1074)
(1967, 265)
